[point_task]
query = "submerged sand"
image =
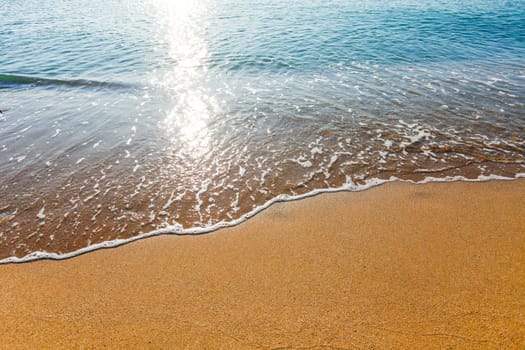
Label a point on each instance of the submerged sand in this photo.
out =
(399, 266)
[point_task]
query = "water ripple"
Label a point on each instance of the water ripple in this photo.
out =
(123, 119)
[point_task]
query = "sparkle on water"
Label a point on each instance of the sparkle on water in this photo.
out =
(122, 118)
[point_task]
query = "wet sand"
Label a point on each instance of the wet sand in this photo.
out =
(399, 266)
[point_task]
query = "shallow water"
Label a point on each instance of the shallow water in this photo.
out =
(127, 118)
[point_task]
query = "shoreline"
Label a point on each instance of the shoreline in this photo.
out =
(176, 230)
(399, 265)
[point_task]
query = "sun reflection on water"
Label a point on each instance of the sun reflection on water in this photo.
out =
(182, 33)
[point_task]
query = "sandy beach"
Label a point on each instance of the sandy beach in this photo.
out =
(399, 266)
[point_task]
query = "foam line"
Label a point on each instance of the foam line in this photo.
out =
(178, 230)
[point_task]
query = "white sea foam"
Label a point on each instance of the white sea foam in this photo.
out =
(242, 171)
(20, 158)
(41, 214)
(177, 229)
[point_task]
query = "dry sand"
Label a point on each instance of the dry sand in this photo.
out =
(436, 266)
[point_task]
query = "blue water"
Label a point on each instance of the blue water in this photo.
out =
(125, 117)
(113, 40)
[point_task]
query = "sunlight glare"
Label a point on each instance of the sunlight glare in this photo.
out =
(182, 32)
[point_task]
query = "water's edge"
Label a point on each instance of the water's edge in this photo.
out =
(179, 231)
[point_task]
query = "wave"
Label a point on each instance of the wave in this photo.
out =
(12, 80)
(180, 231)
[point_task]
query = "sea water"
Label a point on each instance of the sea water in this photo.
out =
(124, 119)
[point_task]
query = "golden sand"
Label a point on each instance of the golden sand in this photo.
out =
(436, 266)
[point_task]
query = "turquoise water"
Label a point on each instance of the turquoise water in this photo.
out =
(126, 118)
